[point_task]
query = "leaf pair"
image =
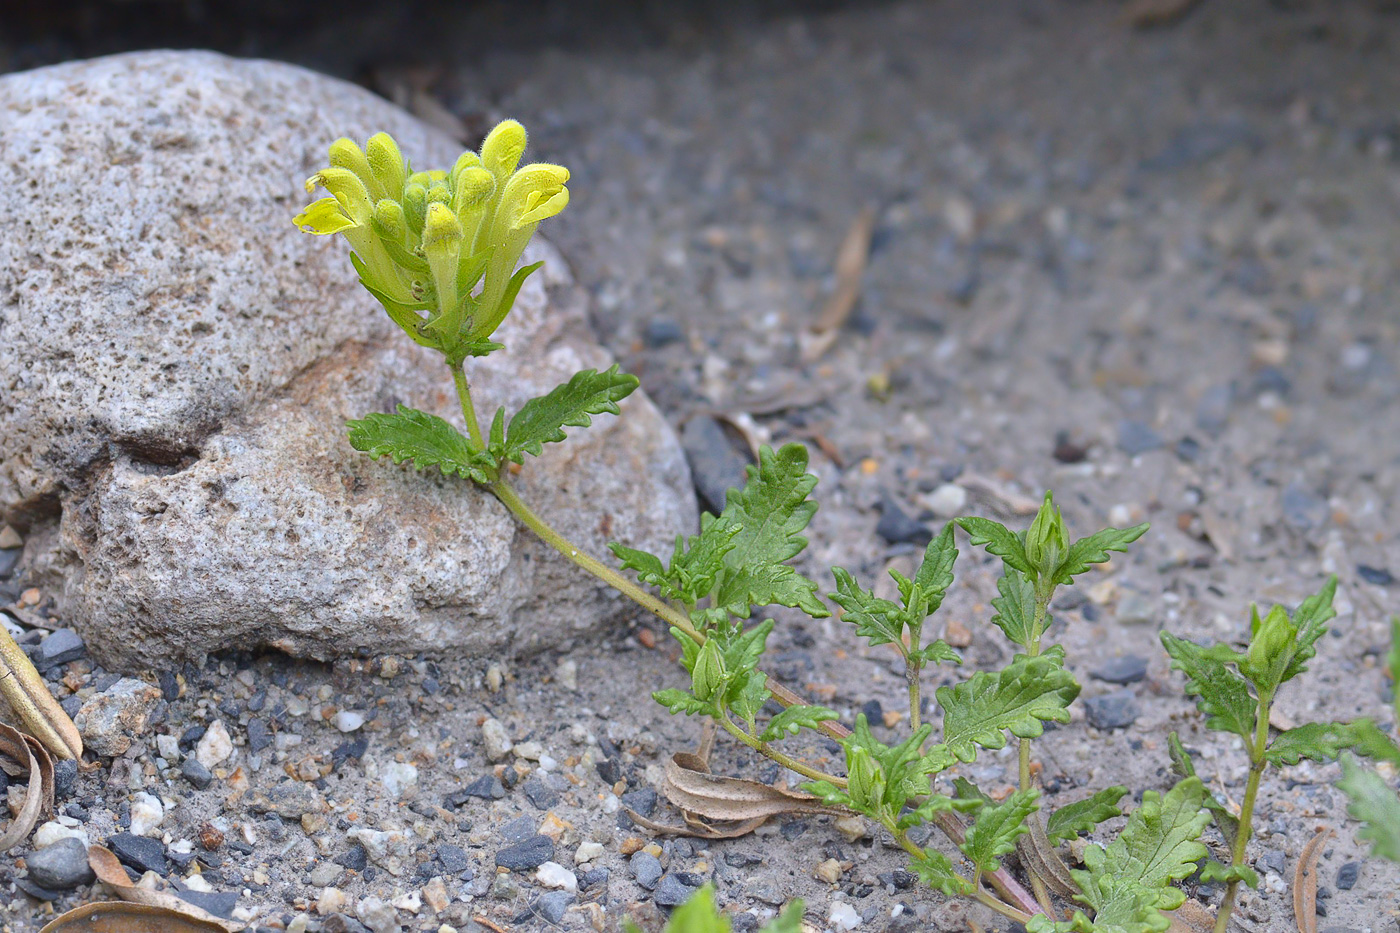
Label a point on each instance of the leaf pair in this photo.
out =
(429, 441)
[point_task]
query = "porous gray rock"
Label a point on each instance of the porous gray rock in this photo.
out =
(178, 362)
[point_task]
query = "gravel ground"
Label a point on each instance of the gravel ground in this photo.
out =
(1153, 271)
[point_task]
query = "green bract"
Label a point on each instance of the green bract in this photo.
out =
(438, 249)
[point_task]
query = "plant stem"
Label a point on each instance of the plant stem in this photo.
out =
(1006, 910)
(1006, 885)
(464, 396)
(911, 675)
(1257, 764)
(768, 751)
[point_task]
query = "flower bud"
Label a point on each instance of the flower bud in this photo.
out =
(390, 223)
(439, 193)
(387, 163)
(709, 674)
(465, 161)
(535, 192)
(502, 149)
(344, 153)
(863, 779)
(1047, 540)
(415, 206)
(475, 186)
(442, 245)
(347, 188)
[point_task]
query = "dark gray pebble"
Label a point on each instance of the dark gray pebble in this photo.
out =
(61, 866)
(1272, 860)
(346, 750)
(218, 903)
(259, 735)
(169, 686)
(1116, 710)
(1302, 508)
(355, 858)
(715, 463)
(554, 905)
(1380, 576)
(661, 331)
(1137, 437)
(673, 891)
(1128, 669)
(453, 858)
(140, 852)
(197, 774)
(486, 787)
(343, 923)
(742, 859)
(58, 647)
(1347, 876)
(898, 528)
(642, 800)
(65, 772)
(518, 829)
(610, 770)
(592, 878)
(1213, 410)
(532, 853)
(646, 869)
(35, 891)
(9, 557)
(538, 794)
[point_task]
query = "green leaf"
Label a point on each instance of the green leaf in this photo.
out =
(770, 511)
(1222, 694)
(1085, 815)
(542, 420)
(794, 719)
(1015, 607)
(746, 694)
(695, 568)
(936, 870)
(1371, 742)
(1311, 620)
(1373, 801)
(1218, 873)
(1225, 821)
(743, 647)
(998, 540)
(425, 439)
(648, 566)
(678, 701)
(1319, 741)
(1019, 698)
(1094, 550)
(877, 620)
(935, 573)
(937, 652)
(881, 778)
(993, 834)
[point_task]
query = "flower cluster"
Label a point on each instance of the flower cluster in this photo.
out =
(438, 249)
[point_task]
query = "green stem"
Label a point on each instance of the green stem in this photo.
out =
(911, 675)
(464, 396)
(1257, 764)
(768, 751)
(981, 894)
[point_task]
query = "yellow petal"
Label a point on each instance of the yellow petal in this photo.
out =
(323, 217)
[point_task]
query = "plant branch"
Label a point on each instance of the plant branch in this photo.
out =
(768, 751)
(1257, 764)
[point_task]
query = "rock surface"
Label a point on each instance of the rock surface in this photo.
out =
(175, 399)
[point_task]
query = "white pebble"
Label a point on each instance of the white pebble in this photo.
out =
(214, 746)
(348, 720)
(554, 875)
(843, 916)
(611, 803)
(146, 814)
(531, 751)
(398, 777)
(494, 739)
(548, 763)
(947, 501)
(196, 882)
(168, 747)
(52, 832)
(588, 851)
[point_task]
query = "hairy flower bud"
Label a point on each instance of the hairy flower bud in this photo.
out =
(502, 149)
(344, 153)
(390, 221)
(387, 164)
(709, 673)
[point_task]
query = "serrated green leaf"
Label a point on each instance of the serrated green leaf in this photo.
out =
(877, 620)
(1371, 742)
(695, 567)
(1311, 620)
(966, 790)
(770, 511)
(937, 652)
(1085, 815)
(936, 870)
(1372, 801)
(883, 778)
(794, 719)
(1015, 607)
(933, 805)
(1225, 821)
(1020, 698)
(1319, 741)
(743, 647)
(746, 695)
(993, 834)
(1221, 693)
(699, 915)
(648, 567)
(542, 420)
(678, 701)
(425, 439)
(935, 573)
(1095, 550)
(1219, 873)
(998, 540)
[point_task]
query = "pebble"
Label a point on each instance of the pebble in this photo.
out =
(540, 796)
(486, 787)
(218, 903)
(380, 846)
(197, 774)
(214, 746)
(331, 901)
(108, 720)
(554, 875)
(326, 874)
(435, 895)
(641, 801)
(843, 916)
(898, 528)
(54, 832)
(348, 720)
(60, 866)
(1377, 576)
(1136, 438)
(530, 751)
(588, 851)
(852, 828)
(1213, 409)
(58, 647)
(715, 463)
(567, 674)
(828, 871)
(9, 559)
(168, 747)
(646, 869)
(378, 916)
(946, 501)
(355, 858)
(660, 331)
(593, 878)
(554, 905)
(1116, 710)
(1136, 609)
(1128, 669)
(453, 859)
(140, 852)
(10, 539)
(397, 777)
(673, 891)
(495, 743)
(1348, 875)
(147, 813)
(339, 923)
(531, 853)
(1302, 508)
(290, 800)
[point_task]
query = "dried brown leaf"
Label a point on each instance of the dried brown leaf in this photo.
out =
(35, 707)
(1305, 883)
(124, 917)
(850, 268)
(1040, 857)
(38, 798)
(693, 789)
(110, 872)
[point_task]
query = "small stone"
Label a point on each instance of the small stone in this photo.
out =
(646, 869)
(397, 777)
(326, 874)
(147, 812)
(1302, 508)
(843, 916)
(957, 634)
(259, 736)
(60, 866)
(494, 740)
(591, 879)
(140, 852)
(383, 848)
(108, 720)
(716, 464)
(377, 915)
(554, 875)
(1136, 438)
(1213, 409)
(530, 751)
(218, 903)
(435, 895)
(659, 332)
(486, 787)
(672, 891)
(58, 647)
(168, 747)
(290, 800)
(948, 500)
(54, 832)
(355, 858)
(199, 776)
(1348, 875)
(1272, 860)
(1127, 669)
(852, 828)
(1378, 576)
(553, 827)
(331, 901)
(10, 539)
(641, 801)
(348, 720)
(531, 853)
(631, 844)
(588, 851)
(552, 906)
(898, 528)
(339, 923)
(214, 746)
(567, 674)
(1116, 710)
(539, 795)
(1135, 609)
(65, 772)
(828, 871)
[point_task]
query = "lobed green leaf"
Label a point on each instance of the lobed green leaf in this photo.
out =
(678, 701)
(1095, 550)
(993, 834)
(1319, 741)
(877, 620)
(1016, 607)
(1019, 698)
(1222, 694)
(794, 719)
(1372, 801)
(542, 420)
(998, 540)
(1085, 815)
(426, 439)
